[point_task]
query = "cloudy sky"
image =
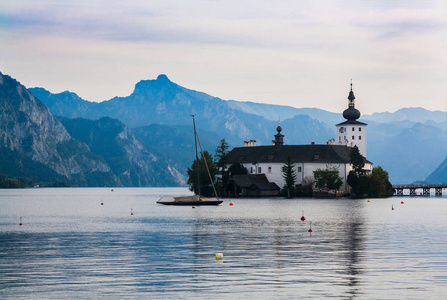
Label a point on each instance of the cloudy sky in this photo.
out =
(297, 53)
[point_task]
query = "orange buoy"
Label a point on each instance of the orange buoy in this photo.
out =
(302, 217)
(193, 207)
(392, 207)
(131, 212)
(401, 202)
(231, 203)
(310, 229)
(20, 224)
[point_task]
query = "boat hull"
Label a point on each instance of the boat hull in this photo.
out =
(188, 201)
(192, 203)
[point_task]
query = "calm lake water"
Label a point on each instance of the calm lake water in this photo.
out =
(71, 246)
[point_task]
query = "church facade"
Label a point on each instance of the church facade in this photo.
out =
(270, 160)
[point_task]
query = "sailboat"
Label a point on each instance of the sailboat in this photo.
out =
(195, 199)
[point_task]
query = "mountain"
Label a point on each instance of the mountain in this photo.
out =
(36, 145)
(134, 163)
(278, 112)
(413, 114)
(408, 155)
(65, 104)
(302, 129)
(163, 102)
(169, 139)
(439, 175)
(158, 111)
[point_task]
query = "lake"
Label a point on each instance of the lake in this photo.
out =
(72, 247)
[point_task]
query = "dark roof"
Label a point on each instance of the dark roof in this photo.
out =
(351, 122)
(351, 113)
(297, 153)
(259, 181)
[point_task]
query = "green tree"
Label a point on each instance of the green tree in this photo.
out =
(360, 185)
(206, 188)
(381, 184)
(237, 169)
(328, 178)
(357, 178)
(289, 175)
(357, 160)
(221, 159)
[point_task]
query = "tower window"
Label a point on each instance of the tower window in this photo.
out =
(360, 137)
(360, 128)
(353, 129)
(352, 137)
(259, 170)
(270, 169)
(339, 138)
(299, 169)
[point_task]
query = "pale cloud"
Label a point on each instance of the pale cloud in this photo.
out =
(299, 53)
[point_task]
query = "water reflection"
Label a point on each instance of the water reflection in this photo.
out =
(268, 253)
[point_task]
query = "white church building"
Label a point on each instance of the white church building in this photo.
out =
(265, 163)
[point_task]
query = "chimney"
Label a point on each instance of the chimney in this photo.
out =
(250, 143)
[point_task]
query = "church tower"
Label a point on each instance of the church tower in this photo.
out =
(352, 132)
(279, 138)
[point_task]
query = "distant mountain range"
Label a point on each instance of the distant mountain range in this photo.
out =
(149, 133)
(81, 152)
(439, 175)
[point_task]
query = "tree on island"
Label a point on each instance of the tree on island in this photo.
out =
(382, 187)
(237, 169)
(206, 188)
(363, 184)
(357, 160)
(357, 178)
(221, 158)
(328, 178)
(289, 175)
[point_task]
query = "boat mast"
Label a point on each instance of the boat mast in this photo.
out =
(197, 157)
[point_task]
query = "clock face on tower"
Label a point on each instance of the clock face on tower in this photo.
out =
(342, 129)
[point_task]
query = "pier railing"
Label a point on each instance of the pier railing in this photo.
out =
(425, 189)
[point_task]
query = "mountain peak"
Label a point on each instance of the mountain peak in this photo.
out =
(162, 82)
(163, 78)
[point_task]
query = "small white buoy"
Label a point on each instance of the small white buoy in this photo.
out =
(219, 255)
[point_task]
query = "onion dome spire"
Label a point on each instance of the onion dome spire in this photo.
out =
(279, 138)
(351, 114)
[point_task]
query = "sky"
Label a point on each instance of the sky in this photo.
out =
(297, 53)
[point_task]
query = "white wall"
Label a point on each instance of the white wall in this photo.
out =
(352, 135)
(307, 169)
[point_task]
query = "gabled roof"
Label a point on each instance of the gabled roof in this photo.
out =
(351, 122)
(297, 153)
(258, 181)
